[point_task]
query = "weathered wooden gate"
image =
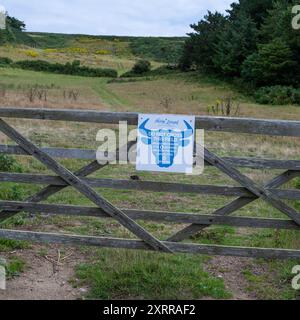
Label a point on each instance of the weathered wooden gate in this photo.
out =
(247, 193)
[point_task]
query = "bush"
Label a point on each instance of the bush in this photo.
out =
(5, 61)
(11, 192)
(273, 64)
(73, 68)
(9, 164)
(141, 66)
(31, 53)
(161, 71)
(277, 95)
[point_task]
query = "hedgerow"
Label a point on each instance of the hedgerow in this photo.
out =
(73, 68)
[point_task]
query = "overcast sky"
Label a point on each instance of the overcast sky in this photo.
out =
(113, 17)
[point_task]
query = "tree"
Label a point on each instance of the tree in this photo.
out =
(255, 38)
(15, 23)
(278, 25)
(235, 43)
(257, 10)
(141, 66)
(273, 64)
(200, 48)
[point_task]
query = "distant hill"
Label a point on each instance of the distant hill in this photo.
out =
(161, 49)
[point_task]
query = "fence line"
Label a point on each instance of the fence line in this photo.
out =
(246, 193)
(224, 124)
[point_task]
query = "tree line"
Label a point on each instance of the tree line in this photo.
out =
(254, 43)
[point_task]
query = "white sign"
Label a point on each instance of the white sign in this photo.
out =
(165, 143)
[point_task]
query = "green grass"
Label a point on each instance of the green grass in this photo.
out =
(127, 274)
(10, 245)
(15, 267)
(274, 283)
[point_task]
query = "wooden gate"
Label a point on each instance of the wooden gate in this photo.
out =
(248, 192)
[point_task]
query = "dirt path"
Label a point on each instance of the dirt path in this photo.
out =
(49, 270)
(46, 276)
(230, 269)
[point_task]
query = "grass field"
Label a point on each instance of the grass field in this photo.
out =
(125, 274)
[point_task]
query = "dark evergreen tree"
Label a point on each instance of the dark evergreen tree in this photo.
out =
(234, 44)
(273, 64)
(201, 47)
(255, 40)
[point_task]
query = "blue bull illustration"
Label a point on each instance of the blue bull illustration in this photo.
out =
(165, 142)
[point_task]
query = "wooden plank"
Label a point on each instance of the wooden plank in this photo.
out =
(193, 229)
(133, 185)
(255, 163)
(73, 240)
(223, 124)
(50, 190)
(118, 184)
(246, 182)
(233, 206)
(90, 154)
(161, 216)
(82, 154)
(83, 188)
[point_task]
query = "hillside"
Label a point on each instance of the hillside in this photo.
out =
(160, 49)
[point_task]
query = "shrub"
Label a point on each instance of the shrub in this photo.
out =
(73, 68)
(141, 66)
(224, 107)
(9, 164)
(277, 95)
(103, 52)
(272, 64)
(5, 61)
(31, 53)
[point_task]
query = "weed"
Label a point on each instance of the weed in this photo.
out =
(14, 267)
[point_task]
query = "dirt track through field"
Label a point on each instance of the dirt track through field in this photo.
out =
(46, 277)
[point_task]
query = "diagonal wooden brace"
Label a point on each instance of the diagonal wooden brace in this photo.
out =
(50, 190)
(83, 188)
(257, 190)
(242, 201)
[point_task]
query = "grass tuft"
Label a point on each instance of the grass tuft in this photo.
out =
(143, 275)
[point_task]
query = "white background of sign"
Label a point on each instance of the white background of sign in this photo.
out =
(148, 155)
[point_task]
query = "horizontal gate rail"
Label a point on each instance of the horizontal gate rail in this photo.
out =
(245, 193)
(162, 216)
(118, 184)
(223, 124)
(67, 239)
(88, 154)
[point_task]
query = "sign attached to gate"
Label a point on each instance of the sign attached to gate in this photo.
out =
(165, 143)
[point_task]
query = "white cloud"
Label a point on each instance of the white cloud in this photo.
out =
(118, 17)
